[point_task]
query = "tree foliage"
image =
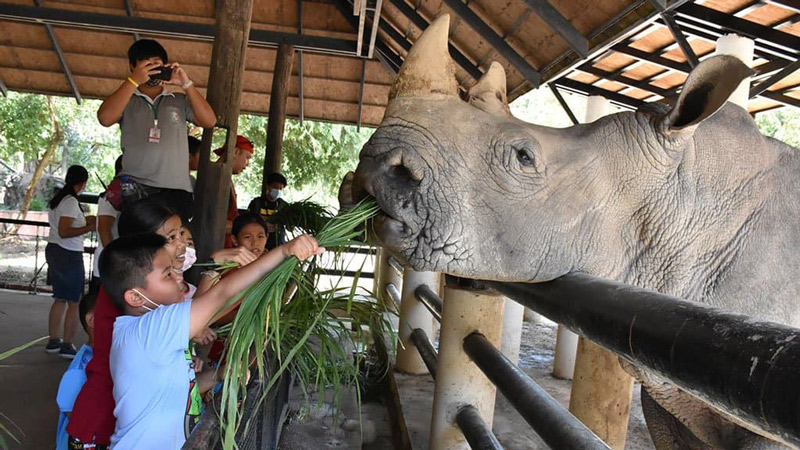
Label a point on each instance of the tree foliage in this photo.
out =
(783, 124)
(316, 156)
(26, 131)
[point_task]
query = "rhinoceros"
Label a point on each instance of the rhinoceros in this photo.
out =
(692, 201)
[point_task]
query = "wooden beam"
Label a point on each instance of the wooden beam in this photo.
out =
(277, 112)
(168, 28)
(224, 94)
(385, 55)
(496, 42)
(361, 92)
(376, 19)
(300, 77)
(560, 25)
(420, 22)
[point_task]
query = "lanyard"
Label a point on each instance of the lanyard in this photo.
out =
(154, 107)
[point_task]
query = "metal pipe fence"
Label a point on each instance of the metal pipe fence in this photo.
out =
(551, 421)
(732, 361)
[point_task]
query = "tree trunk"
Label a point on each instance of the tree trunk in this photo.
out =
(58, 134)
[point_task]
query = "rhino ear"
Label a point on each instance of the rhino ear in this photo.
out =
(706, 89)
(489, 93)
(428, 70)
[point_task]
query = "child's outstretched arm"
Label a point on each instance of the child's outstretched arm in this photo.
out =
(206, 305)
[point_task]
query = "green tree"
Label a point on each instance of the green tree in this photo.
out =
(316, 156)
(44, 135)
(782, 124)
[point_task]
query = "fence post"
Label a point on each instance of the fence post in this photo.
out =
(601, 393)
(384, 274)
(413, 314)
(566, 348)
(458, 380)
(512, 329)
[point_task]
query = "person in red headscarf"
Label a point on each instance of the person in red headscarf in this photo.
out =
(241, 158)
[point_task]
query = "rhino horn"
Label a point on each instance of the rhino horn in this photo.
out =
(428, 70)
(489, 93)
(706, 90)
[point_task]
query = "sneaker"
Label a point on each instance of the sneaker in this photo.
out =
(67, 351)
(53, 346)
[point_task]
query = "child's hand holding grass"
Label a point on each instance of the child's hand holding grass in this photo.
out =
(302, 247)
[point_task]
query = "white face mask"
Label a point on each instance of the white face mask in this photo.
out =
(275, 193)
(145, 297)
(189, 258)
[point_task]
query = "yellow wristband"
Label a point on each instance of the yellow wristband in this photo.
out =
(134, 83)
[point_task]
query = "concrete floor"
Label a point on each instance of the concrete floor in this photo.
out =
(29, 380)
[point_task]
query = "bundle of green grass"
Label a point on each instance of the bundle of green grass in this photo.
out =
(285, 309)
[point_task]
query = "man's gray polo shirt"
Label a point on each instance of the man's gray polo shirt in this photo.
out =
(165, 164)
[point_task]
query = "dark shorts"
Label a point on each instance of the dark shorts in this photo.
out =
(65, 272)
(75, 444)
(181, 202)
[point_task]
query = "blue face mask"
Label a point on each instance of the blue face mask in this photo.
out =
(157, 305)
(275, 193)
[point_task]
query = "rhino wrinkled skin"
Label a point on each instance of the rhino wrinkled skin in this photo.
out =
(691, 201)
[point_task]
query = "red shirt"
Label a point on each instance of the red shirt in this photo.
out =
(92, 417)
(233, 213)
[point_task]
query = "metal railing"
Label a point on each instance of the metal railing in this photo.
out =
(732, 361)
(552, 422)
(33, 285)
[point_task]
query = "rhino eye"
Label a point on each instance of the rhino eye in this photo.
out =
(525, 157)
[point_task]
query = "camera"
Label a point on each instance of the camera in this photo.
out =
(165, 73)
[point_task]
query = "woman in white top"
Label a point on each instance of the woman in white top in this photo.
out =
(64, 254)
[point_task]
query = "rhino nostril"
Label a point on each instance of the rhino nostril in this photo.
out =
(402, 173)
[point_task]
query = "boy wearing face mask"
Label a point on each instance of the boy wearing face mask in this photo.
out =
(269, 205)
(155, 389)
(152, 123)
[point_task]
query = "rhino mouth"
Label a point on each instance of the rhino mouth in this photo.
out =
(390, 228)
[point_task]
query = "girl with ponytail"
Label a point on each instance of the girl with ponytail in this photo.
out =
(64, 255)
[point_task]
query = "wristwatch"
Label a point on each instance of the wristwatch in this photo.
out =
(186, 85)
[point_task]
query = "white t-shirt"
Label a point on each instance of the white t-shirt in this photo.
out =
(67, 208)
(104, 208)
(157, 402)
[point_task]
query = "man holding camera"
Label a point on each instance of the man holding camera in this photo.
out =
(152, 122)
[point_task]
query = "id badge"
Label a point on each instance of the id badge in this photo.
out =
(155, 135)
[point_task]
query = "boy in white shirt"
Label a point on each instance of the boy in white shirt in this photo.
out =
(150, 364)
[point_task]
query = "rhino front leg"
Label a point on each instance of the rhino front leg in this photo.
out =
(690, 424)
(667, 432)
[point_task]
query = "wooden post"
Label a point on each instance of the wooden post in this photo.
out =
(458, 380)
(277, 112)
(601, 393)
(232, 30)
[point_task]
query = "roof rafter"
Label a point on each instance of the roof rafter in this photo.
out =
(185, 30)
(560, 25)
(61, 60)
(587, 89)
(495, 41)
(422, 23)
